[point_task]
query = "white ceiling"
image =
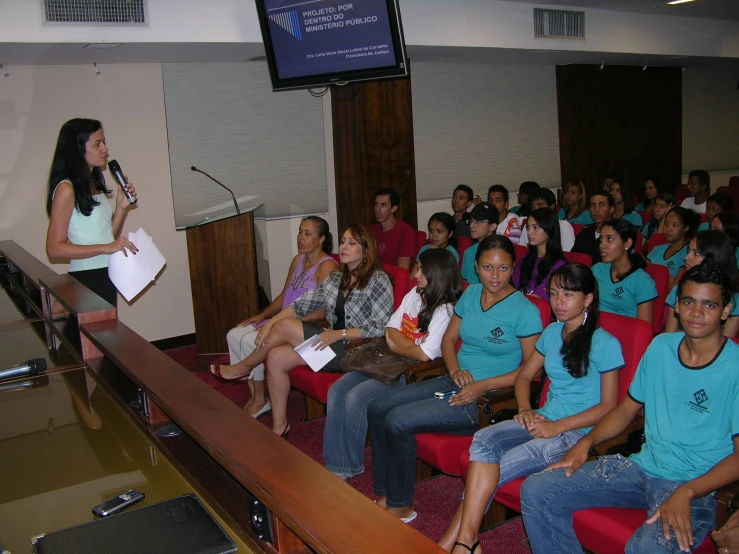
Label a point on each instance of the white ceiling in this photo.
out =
(707, 9)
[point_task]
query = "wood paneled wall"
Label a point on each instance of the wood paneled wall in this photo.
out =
(621, 119)
(373, 148)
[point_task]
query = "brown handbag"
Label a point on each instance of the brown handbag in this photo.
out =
(375, 359)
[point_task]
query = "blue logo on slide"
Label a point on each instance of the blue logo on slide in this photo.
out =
(289, 22)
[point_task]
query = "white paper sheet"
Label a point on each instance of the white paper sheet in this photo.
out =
(131, 274)
(315, 359)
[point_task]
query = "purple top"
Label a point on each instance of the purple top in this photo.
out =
(541, 290)
(301, 282)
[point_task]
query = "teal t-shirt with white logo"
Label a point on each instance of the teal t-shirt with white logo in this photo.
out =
(490, 338)
(691, 413)
(673, 263)
(623, 297)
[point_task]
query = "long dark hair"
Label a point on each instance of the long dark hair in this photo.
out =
(69, 163)
(688, 218)
(370, 259)
(528, 188)
(322, 229)
(575, 349)
(627, 195)
(547, 219)
(444, 286)
(651, 226)
(447, 220)
(715, 246)
(730, 225)
(626, 230)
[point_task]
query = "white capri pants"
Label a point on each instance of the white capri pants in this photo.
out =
(240, 344)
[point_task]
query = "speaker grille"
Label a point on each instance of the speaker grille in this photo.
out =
(559, 24)
(94, 11)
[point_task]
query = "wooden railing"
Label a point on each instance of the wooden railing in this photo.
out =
(227, 456)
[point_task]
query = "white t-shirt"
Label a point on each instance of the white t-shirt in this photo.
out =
(690, 204)
(566, 233)
(405, 320)
(511, 227)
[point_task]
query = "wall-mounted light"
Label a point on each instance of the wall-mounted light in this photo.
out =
(674, 2)
(644, 68)
(95, 66)
(3, 70)
(602, 65)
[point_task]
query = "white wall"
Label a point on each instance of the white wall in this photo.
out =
(128, 99)
(475, 23)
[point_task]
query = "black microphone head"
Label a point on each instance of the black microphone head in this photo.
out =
(114, 166)
(39, 364)
(193, 168)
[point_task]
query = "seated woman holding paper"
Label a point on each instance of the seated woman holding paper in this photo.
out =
(413, 332)
(309, 268)
(358, 299)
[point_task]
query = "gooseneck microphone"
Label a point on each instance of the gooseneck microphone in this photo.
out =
(31, 367)
(193, 168)
(115, 170)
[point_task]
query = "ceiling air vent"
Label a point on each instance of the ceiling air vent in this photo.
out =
(117, 12)
(558, 24)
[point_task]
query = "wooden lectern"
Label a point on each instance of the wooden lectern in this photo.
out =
(223, 275)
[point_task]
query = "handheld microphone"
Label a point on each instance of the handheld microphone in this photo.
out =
(193, 168)
(31, 367)
(115, 170)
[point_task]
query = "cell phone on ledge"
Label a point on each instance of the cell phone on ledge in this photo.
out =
(118, 504)
(442, 395)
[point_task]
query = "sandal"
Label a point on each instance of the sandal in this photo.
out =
(215, 370)
(472, 550)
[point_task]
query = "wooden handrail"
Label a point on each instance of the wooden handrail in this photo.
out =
(328, 514)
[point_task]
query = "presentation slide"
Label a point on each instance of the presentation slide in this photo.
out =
(326, 36)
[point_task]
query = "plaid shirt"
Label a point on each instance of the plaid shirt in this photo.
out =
(368, 309)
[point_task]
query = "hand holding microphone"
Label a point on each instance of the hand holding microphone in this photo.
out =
(128, 190)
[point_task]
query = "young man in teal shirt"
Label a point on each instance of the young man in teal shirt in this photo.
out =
(688, 385)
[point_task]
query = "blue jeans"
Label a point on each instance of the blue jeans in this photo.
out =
(396, 418)
(516, 451)
(549, 499)
(346, 422)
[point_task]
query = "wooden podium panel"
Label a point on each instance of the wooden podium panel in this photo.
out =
(223, 277)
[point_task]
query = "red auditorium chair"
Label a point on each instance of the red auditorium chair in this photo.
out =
(661, 276)
(639, 241)
(646, 216)
(315, 385)
(734, 182)
(634, 336)
(521, 251)
(655, 240)
(733, 192)
(421, 239)
(440, 452)
(463, 243)
(681, 193)
(578, 258)
(576, 227)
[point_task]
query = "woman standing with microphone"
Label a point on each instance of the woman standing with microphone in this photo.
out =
(82, 225)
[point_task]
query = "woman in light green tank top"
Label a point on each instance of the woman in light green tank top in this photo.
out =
(82, 225)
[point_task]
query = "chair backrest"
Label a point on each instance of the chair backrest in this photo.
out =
(335, 257)
(576, 227)
(400, 278)
(661, 276)
(639, 243)
(463, 243)
(421, 239)
(733, 192)
(681, 193)
(521, 251)
(655, 240)
(634, 336)
(646, 216)
(578, 258)
(545, 310)
(734, 183)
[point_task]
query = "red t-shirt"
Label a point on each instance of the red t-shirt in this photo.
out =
(398, 242)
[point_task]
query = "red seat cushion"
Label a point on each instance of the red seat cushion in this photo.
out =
(313, 384)
(442, 450)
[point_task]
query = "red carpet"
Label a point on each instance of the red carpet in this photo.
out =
(435, 500)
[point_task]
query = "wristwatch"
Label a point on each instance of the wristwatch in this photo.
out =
(343, 334)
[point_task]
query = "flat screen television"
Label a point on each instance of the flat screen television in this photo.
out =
(318, 43)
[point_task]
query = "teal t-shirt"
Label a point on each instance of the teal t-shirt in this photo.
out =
(691, 413)
(672, 298)
(583, 219)
(449, 247)
(469, 271)
(624, 296)
(674, 263)
(569, 395)
(640, 207)
(490, 339)
(634, 218)
(705, 226)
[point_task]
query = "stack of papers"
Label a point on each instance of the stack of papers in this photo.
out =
(131, 274)
(315, 359)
